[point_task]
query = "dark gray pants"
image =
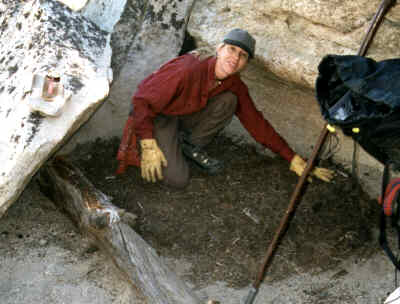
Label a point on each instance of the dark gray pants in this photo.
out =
(202, 126)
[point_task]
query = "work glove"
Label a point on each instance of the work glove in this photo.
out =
(152, 159)
(298, 165)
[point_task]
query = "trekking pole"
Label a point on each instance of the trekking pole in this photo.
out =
(385, 5)
(285, 220)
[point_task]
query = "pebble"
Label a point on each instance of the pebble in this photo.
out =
(43, 242)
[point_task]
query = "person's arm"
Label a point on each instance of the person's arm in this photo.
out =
(152, 159)
(154, 94)
(263, 132)
(258, 127)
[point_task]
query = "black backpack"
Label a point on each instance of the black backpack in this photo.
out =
(362, 97)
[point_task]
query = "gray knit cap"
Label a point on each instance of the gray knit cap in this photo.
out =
(242, 39)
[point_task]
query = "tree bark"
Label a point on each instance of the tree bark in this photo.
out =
(111, 228)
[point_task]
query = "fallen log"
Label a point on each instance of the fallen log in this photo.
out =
(111, 229)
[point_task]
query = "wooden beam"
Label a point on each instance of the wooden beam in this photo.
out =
(111, 228)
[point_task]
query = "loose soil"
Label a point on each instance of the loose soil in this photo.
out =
(223, 224)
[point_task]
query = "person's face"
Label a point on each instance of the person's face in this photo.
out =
(231, 59)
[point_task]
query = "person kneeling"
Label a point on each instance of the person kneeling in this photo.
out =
(181, 107)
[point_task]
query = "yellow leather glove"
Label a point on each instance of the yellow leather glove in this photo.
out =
(152, 158)
(298, 165)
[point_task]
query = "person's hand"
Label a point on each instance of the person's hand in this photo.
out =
(323, 174)
(152, 158)
(298, 164)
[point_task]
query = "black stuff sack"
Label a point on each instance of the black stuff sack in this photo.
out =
(362, 97)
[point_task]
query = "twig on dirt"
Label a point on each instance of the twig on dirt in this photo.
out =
(251, 216)
(342, 173)
(235, 241)
(217, 219)
(301, 228)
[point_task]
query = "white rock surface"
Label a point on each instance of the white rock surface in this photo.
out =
(105, 13)
(75, 5)
(293, 36)
(75, 36)
(36, 38)
(145, 37)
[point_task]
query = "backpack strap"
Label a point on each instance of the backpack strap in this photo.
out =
(391, 195)
(394, 185)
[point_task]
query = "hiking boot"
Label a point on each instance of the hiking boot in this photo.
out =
(200, 158)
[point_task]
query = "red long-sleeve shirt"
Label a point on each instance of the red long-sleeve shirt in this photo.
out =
(184, 85)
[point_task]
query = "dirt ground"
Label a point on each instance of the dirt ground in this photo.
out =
(223, 224)
(214, 235)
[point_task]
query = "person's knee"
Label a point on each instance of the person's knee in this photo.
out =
(177, 181)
